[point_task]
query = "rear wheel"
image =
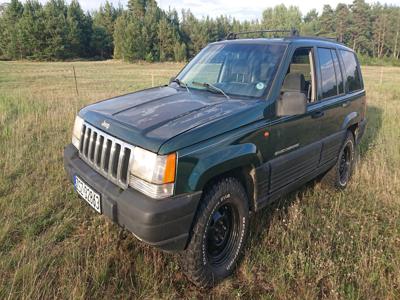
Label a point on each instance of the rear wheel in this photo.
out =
(339, 176)
(218, 235)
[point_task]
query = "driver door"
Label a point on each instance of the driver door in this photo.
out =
(294, 140)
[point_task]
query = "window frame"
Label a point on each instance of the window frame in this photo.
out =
(341, 72)
(313, 68)
(320, 74)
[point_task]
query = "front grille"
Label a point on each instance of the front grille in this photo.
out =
(109, 156)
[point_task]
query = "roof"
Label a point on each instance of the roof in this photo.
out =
(313, 40)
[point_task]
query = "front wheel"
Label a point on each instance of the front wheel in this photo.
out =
(219, 234)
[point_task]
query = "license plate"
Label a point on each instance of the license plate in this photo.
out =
(88, 194)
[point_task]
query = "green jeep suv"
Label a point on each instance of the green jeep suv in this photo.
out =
(182, 166)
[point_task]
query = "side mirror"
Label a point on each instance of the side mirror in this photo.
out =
(291, 104)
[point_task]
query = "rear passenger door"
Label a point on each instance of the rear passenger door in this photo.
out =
(335, 104)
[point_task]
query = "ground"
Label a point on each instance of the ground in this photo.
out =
(315, 243)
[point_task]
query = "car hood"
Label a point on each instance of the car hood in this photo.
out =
(151, 117)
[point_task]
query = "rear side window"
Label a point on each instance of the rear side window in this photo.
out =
(353, 80)
(328, 75)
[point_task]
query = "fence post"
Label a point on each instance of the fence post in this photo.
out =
(76, 83)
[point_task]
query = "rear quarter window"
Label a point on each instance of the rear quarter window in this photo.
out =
(352, 71)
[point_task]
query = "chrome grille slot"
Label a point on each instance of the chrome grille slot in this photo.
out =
(109, 156)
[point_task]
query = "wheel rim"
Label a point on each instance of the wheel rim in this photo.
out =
(345, 164)
(222, 234)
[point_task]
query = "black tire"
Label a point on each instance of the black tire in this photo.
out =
(338, 177)
(219, 234)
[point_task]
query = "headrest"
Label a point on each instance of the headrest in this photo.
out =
(294, 82)
(240, 67)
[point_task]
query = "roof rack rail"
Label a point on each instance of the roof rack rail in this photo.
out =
(235, 35)
(317, 37)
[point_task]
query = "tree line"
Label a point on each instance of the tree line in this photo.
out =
(143, 31)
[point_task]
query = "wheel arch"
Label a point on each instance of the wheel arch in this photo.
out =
(350, 120)
(245, 175)
(238, 161)
(351, 123)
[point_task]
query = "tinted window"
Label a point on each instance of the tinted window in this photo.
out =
(339, 77)
(328, 77)
(353, 82)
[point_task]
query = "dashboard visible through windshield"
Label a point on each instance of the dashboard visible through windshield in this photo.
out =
(236, 69)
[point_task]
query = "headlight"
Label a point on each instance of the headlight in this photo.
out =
(152, 174)
(76, 134)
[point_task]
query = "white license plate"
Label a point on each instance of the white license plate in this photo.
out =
(88, 194)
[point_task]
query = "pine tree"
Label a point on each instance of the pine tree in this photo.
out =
(282, 17)
(328, 22)
(119, 36)
(395, 25)
(56, 30)
(106, 16)
(31, 30)
(9, 40)
(193, 32)
(311, 23)
(137, 8)
(166, 36)
(79, 31)
(133, 41)
(128, 38)
(361, 27)
(101, 42)
(150, 31)
(179, 51)
(104, 19)
(342, 22)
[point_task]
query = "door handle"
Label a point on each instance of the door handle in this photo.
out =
(345, 104)
(318, 114)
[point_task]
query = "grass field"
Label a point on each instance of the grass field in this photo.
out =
(312, 244)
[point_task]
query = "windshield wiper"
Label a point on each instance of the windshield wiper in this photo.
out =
(181, 84)
(209, 86)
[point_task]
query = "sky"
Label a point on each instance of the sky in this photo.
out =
(239, 9)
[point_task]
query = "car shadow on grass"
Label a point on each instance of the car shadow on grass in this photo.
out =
(374, 124)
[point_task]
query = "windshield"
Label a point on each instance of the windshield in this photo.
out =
(237, 69)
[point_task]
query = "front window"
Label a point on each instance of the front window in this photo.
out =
(237, 69)
(300, 75)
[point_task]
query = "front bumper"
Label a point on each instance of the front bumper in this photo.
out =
(164, 223)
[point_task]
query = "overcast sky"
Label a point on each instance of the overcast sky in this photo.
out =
(240, 9)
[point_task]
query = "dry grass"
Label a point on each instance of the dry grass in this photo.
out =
(313, 244)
